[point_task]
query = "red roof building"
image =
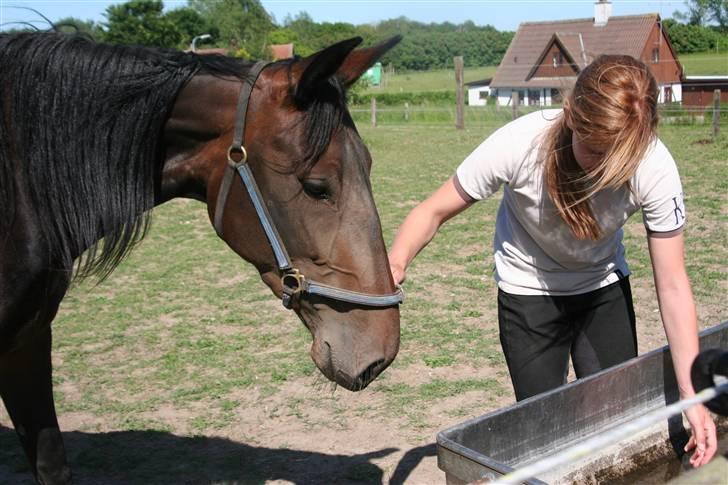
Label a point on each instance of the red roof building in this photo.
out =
(281, 51)
(544, 58)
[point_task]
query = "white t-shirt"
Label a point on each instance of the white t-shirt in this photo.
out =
(535, 251)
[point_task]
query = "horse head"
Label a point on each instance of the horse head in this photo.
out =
(311, 169)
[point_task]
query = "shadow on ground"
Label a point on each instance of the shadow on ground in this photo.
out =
(152, 457)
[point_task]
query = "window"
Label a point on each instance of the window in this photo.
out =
(656, 55)
(483, 95)
(534, 97)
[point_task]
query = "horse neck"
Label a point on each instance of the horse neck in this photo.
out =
(195, 140)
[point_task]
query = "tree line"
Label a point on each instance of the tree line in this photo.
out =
(245, 29)
(701, 27)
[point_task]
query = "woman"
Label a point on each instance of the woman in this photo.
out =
(571, 180)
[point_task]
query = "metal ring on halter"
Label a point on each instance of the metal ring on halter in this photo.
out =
(298, 281)
(237, 149)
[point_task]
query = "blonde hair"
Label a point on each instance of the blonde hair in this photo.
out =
(612, 105)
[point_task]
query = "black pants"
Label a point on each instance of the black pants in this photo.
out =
(539, 332)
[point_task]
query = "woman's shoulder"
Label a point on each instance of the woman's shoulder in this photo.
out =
(657, 160)
(657, 172)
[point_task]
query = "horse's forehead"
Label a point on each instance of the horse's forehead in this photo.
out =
(352, 142)
(348, 149)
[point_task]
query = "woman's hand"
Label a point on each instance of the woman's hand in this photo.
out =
(703, 438)
(398, 273)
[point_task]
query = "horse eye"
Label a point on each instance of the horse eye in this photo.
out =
(316, 188)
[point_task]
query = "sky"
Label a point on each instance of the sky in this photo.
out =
(502, 14)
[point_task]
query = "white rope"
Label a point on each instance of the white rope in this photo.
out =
(610, 437)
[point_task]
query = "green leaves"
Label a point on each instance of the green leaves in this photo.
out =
(689, 38)
(239, 24)
(144, 22)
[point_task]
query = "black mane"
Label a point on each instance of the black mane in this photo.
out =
(80, 134)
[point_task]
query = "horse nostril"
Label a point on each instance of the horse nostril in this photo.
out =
(363, 379)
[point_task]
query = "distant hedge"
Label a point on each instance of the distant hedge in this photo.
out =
(398, 99)
(687, 39)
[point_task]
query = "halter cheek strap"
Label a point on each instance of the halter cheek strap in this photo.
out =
(237, 155)
(294, 284)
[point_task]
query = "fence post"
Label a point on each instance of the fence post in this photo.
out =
(406, 111)
(460, 98)
(374, 111)
(514, 103)
(716, 114)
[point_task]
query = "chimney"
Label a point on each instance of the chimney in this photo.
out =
(602, 11)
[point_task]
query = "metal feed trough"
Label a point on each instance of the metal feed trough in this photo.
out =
(495, 444)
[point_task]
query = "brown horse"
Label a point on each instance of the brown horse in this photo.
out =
(93, 136)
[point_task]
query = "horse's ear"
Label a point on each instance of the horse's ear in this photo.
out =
(319, 67)
(360, 60)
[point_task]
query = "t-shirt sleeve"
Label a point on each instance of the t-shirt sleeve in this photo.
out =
(659, 191)
(488, 167)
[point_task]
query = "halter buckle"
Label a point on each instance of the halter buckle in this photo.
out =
(240, 152)
(293, 282)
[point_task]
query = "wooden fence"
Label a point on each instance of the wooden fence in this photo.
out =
(460, 113)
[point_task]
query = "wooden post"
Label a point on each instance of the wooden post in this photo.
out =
(406, 111)
(716, 114)
(374, 111)
(514, 103)
(460, 98)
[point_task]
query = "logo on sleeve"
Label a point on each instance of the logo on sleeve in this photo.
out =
(679, 209)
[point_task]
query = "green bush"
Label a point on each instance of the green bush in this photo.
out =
(396, 99)
(723, 113)
(687, 39)
(440, 114)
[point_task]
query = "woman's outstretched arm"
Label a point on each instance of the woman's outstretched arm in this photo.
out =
(677, 309)
(421, 224)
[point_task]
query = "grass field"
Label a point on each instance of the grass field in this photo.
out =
(436, 80)
(183, 368)
(705, 64)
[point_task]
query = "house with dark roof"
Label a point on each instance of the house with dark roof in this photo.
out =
(544, 58)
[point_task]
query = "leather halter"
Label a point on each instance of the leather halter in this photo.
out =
(294, 284)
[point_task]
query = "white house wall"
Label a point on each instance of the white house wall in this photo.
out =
(676, 93)
(503, 95)
(474, 96)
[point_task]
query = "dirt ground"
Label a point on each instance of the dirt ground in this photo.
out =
(347, 438)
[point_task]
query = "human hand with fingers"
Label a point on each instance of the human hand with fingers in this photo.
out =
(703, 438)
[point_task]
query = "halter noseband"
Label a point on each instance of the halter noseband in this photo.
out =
(294, 283)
